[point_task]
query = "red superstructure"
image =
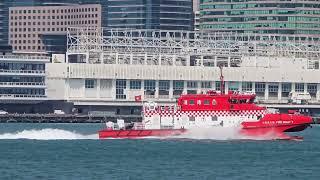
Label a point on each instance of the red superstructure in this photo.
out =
(210, 109)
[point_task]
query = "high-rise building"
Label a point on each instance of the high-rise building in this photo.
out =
(136, 14)
(44, 28)
(4, 14)
(196, 20)
(3, 21)
(290, 17)
(196, 5)
(196, 15)
(5, 4)
(150, 14)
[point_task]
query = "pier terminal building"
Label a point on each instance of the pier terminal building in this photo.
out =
(105, 69)
(23, 83)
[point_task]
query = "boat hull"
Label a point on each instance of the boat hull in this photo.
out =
(277, 132)
(133, 133)
(263, 132)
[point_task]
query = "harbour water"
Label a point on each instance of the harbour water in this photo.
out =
(73, 151)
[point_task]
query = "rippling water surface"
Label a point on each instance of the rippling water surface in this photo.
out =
(72, 151)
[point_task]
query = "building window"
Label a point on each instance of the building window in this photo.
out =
(149, 87)
(178, 87)
(246, 86)
(273, 88)
(312, 89)
(164, 85)
(135, 84)
(89, 83)
(192, 84)
(121, 85)
(260, 89)
(206, 84)
(149, 84)
(218, 86)
(299, 87)
(233, 86)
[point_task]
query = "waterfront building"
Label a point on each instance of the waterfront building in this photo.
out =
(292, 18)
(22, 81)
(108, 71)
(44, 28)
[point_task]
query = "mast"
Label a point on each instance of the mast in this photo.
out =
(221, 80)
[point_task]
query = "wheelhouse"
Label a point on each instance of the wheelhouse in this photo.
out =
(217, 101)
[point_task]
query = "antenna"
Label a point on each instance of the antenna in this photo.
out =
(221, 80)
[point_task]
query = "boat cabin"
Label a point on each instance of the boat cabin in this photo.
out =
(213, 100)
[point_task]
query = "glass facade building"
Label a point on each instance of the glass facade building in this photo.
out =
(285, 17)
(3, 25)
(150, 14)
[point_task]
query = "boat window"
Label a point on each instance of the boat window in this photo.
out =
(199, 102)
(251, 100)
(214, 118)
(206, 102)
(191, 102)
(242, 101)
(233, 101)
(152, 107)
(214, 102)
(191, 118)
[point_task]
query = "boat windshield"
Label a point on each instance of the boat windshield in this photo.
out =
(251, 100)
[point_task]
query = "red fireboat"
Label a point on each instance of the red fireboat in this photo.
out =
(210, 109)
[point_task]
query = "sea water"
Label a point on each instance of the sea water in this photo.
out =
(73, 151)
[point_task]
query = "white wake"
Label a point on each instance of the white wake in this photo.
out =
(47, 134)
(219, 133)
(204, 133)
